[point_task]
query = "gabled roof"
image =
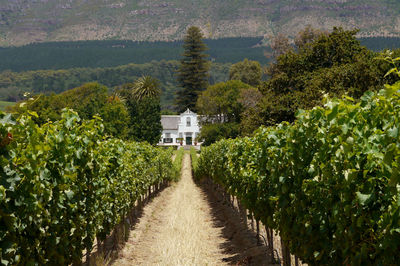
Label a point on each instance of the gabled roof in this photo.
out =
(170, 121)
(188, 112)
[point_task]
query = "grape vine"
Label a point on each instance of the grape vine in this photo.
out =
(64, 184)
(329, 183)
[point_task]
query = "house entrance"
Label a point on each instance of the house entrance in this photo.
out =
(188, 140)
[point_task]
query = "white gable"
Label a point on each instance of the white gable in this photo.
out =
(188, 112)
(185, 126)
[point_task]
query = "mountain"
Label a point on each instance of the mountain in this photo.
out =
(26, 21)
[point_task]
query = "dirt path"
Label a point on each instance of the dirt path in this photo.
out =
(179, 227)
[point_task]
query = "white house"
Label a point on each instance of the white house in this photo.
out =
(183, 127)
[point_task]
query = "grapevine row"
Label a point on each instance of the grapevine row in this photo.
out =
(328, 183)
(64, 184)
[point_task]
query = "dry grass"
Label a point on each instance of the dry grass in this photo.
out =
(177, 229)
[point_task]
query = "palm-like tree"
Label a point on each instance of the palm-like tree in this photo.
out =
(146, 87)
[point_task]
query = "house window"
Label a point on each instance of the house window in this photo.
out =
(188, 122)
(168, 138)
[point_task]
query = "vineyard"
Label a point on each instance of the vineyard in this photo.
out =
(329, 183)
(64, 185)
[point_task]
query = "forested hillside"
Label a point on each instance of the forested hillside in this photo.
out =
(63, 55)
(13, 85)
(26, 21)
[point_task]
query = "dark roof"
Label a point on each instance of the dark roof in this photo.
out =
(170, 121)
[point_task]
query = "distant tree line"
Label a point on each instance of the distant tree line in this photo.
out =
(111, 53)
(13, 85)
(378, 44)
(96, 54)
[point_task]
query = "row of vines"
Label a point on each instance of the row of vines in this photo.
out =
(64, 184)
(328, 183)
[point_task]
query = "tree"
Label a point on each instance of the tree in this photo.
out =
(87, 100)
(115, 117)
(143, 101)
(193, 70)
(308, 35)
(211, 133)
(145, 120)
(249, 120)
(279, 45)
(222, 107)
(291, 76)
(249, 72)
(332, 63)
(220, 102)
(146, 87)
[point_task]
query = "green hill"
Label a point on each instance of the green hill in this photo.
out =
(111, 53)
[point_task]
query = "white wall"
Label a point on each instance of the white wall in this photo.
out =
(173, 135)
(194, 128)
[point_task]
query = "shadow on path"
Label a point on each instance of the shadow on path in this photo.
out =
(241, 246)
(108, 251)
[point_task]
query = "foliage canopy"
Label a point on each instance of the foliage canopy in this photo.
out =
(332, 63)
(249, 72)
(87, 100)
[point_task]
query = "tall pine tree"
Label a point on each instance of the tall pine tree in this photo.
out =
(193, 70)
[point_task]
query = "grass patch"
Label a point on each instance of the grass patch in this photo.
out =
(178, 161)
(193, 156)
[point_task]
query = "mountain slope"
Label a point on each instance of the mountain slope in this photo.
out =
(25, 21)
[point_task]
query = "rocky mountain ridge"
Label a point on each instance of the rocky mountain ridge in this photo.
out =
(27, 21)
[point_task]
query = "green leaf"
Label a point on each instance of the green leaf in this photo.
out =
(2, 193)
(331, 114)
(390, 90)
(7, 119)
(393, 132)
(395, 177)
(389, 155)
(350, 140)
(345, 128)
(390, 72)
(349, 98)
(33, 113)
(362, 198)
(69, 193)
